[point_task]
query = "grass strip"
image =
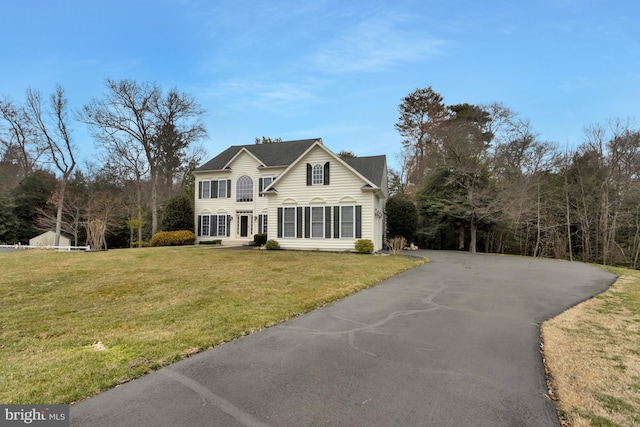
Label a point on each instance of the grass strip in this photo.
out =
(592, 354)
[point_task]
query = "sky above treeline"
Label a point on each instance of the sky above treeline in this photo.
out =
(333, 69)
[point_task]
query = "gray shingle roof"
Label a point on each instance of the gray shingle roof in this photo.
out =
(285, 153)
(273, 154)
(372, 167)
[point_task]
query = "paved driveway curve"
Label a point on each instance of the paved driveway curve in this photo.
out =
(452, 343)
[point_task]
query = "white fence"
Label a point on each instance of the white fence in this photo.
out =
(58, 248)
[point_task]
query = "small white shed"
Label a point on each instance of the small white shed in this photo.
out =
(48, 238)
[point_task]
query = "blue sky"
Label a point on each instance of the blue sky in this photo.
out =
(334, 69)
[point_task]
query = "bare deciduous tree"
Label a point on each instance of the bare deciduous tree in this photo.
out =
(53, 128)
(140, 113)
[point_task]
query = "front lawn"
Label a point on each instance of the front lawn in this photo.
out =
(73, 324)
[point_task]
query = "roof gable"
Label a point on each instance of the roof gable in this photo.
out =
(369, 169)
(268, 155)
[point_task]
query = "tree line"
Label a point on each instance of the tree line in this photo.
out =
(472, 177)
(147, 140)
(480, 178)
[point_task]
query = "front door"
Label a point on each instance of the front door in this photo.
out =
(244, 226)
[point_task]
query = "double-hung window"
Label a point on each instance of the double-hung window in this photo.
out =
(347, 221)
(222, 225)
(204, 225)
(317, 221)
(263, 220)
(289, 222)
(222, 189)
(206, 190)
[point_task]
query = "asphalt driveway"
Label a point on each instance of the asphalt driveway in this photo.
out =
(452, 343)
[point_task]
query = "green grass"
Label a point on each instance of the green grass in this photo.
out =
(151, 307)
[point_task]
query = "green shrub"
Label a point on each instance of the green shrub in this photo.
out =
(210, 242)
(272, 245)
(260, 239)
(364, 246)
(178, 214)
(142, 244)
(173, 238)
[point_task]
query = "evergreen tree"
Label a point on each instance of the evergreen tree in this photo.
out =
(178, 214)
(402, 217)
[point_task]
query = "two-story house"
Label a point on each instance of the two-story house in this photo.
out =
(299, 193)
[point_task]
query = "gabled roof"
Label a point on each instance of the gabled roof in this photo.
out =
(372, 167)
(273, 154)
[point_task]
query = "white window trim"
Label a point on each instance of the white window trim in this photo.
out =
(242, 193)
(321, 222)
(206, 189)
(353, 222)
(222, 184)
(205, 219)
(222, 224)
(317, 174)
(285, 222)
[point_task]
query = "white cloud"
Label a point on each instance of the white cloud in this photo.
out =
(376, 44)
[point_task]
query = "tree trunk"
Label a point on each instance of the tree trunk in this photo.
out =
(63, 182)
(154, 200)
(473, 230)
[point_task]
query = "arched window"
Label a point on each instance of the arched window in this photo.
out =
(244, 189)
(318, 175)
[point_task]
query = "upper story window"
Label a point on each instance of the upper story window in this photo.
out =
(222, 189)
(205, 189)
(244, 189)
(213, 189)
(318, 175)
(264, 183)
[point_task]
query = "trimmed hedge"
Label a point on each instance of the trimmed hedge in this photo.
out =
(260, 239)
(173, 238)
(364, 246)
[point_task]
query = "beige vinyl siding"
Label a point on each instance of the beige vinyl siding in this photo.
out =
(345, 188)
(243, 164)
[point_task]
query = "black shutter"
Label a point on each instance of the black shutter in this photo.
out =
(309, 173)
(327, 222)
(228, 191)
(358, 222)
(228, 225)
(279, 223)
(299, 222)
(213, 225)
(199, 225)
(326, 173)
(336, 222)
(260, 184)
(199, 189)
(307, 222)
(259, 224)
(214, 189)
